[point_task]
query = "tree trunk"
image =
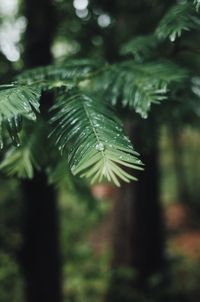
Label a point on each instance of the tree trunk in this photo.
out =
(40, 254)
(40, 251)
(182, 185)
(138, 241)
(147, 238)
(39, 33)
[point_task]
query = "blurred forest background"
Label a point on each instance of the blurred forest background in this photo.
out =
(137, 243)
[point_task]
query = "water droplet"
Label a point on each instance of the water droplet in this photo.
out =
(172, 37)
(100, 147)
(144, 115)
(73, 168)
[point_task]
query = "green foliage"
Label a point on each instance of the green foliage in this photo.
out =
(65, 75)
(141, 47)
(197, 4)
(30, 155)
(181, 17)
(94, 139)
(138, 85)
(85, 272)
(18, 162)
(84, 126)
(17, 102)
(60, 175)
(10, 282)
(11, 279)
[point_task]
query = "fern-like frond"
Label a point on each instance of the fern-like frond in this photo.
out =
(181, 17)
(64, 75)
(139, 85)
(18, 162)
(197, 4)
(17, 102)
(93, 139)
(31, 155)
(141, 47)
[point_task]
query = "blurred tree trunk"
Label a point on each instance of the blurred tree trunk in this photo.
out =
(138, 241)
(40, 250)
(40, 255)
(177, 148)
(147, 237)
(39, 33)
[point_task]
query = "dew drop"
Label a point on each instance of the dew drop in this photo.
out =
(144, 115)
(100, 147)
(172, 37)
(73, 168)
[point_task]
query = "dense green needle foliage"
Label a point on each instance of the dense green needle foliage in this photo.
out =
(141, 47)
(83, 123)
(17, 102)
(138, 85)
(18, 162)
(64, 75)
(197, 4)
(94, 139)
(21, 161)
(181, 17)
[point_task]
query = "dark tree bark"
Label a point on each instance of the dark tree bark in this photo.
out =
(40, 251)
(147, 237)
(39, 33)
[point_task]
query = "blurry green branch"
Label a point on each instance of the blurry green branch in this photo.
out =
(83, 123)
